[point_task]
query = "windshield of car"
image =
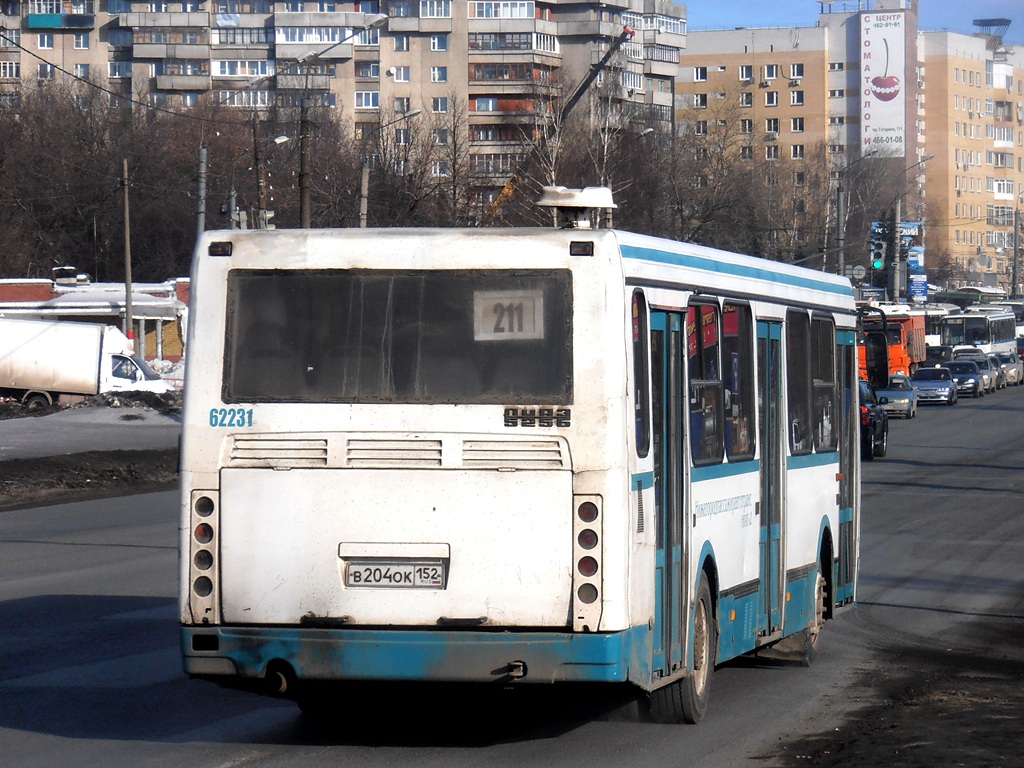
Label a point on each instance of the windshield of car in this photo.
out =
(901, 385)
(931, 374)
(1006, 357)
(963, 367)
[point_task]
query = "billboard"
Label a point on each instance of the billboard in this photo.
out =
(883, 112)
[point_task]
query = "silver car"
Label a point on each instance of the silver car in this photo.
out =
(1013, 368)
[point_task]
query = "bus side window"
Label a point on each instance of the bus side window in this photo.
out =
(703, 335)
(641, 376)
(798, 381)
(738, 369)
(823, 362)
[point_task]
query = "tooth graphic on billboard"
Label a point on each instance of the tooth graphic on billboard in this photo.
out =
(886, 87)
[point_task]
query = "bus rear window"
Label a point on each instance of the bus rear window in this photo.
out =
(356, 336)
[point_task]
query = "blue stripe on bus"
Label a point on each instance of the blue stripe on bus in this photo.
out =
(427, 655)
(813, 460)
(717, 471)
(644, 479)
(710, 264)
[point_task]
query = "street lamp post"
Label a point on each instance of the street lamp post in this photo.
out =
(364, 181)
(841, 212)
(897, 279)
(370, 21)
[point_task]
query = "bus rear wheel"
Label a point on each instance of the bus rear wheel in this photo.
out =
(686, 700)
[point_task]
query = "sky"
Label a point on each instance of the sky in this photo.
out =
(933, 15)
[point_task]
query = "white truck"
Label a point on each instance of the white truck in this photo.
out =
(41, 360)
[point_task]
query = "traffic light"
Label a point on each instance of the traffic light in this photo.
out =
(877, 253)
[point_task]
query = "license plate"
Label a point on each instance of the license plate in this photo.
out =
(402, 575)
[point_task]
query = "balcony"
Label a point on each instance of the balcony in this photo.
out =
(336, 52)
(171, 20)
(53, 14)
(170, 51)
(183, 82)
(300, 82)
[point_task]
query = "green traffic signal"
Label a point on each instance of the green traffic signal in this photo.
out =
(876, 264)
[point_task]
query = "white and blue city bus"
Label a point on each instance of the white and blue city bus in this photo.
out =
(516, 456)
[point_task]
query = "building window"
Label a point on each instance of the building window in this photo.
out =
(82, 71)
(837, 120)
(439, 104)
(440, 136)
(700, 101)
(401, 43)
(798, 152)
(435, 9)
(746, 72)
(746, 126)
(367, 99)
(771, 125)
(746, 99)
(771, 99)
(746, 153)
(81, 41)
(46, 72)
(796, 71)
(115, 7)
(486, 104)
(439, 168)
(771, 152)
(368, 69)
(700, 128)
(502, 9)
(700, 74)
(799, 179)
(836, 66)
(439, 74)
(402, 136)
(439, 42)
(771, 71)
(401, 74)
(45, 41)
(796, 98)
(837, 93)
(10, 70)
(116, 69)
(796, 125)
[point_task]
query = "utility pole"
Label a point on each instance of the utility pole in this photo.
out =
(1014, 289)
(261, 185)
(128, 319)
(201, 203)
(895, 276)
(840, 229)
(304, 203)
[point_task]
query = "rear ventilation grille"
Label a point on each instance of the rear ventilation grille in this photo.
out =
(393, 453)
(521, 454)
(279, 452)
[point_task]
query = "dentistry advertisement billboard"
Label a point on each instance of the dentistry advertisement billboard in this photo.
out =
(883, 113)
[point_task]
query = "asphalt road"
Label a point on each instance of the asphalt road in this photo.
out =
(90, 676)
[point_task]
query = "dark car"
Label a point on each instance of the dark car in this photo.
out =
(968, 377)
(874, 424)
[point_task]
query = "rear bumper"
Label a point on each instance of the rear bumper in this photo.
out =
(418, 655)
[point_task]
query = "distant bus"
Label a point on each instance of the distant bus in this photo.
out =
(510, 457)
(988, 331)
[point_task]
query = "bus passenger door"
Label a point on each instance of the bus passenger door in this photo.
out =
(771, 439)
(667, 409)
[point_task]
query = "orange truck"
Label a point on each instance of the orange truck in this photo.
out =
(904, 331)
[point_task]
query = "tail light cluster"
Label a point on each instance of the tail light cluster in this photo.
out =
(863, 415)
(587, 566)
(203, 561)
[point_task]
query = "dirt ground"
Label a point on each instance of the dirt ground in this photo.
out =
(929, 708)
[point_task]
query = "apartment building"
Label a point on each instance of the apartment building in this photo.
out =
(839, 92)
(501, 59)
(975, 186)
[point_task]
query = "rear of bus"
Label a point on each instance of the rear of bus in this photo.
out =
(396, 460)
